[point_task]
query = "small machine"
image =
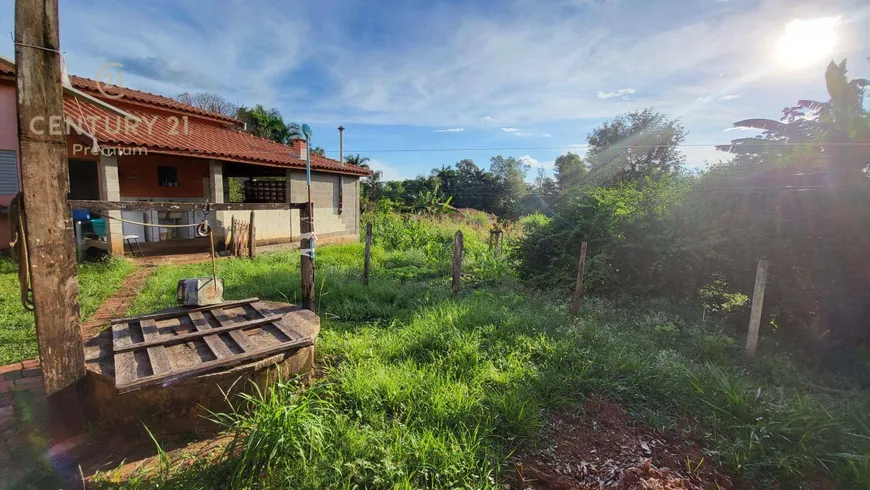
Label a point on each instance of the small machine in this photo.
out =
(201, 291)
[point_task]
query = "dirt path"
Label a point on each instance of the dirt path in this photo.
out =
(118, 303)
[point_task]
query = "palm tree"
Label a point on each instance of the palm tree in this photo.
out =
(359, 161)
(374, 180)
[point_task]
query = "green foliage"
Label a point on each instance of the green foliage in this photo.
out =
(97, 282)
(268, 124)
(431, 202)
(419, 389)
(633, 146)
(629, 230)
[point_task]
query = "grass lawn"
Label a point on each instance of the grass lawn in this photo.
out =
(97, 282)
(423, 390)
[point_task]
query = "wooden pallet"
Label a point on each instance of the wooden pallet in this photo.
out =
(146, 355)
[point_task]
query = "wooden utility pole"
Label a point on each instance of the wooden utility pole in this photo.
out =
(578, 290)
(45, 185)
(306, 258)
(755, 314)
(368, 258)
(457, 261)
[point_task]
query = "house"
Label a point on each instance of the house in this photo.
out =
(169, 151)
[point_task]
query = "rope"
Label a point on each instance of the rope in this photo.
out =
(156, 225)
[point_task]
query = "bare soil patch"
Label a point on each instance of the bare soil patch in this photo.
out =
(602, 447)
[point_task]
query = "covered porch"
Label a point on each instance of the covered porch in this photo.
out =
(148, 183)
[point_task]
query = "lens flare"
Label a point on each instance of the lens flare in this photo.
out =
(805, 42)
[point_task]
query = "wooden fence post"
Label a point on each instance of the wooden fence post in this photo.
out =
(252, 238)
(457, 261)
(306, 258)
(755, 314)
(368, 258)
(578, 290)
(49, 226)
(233, 237)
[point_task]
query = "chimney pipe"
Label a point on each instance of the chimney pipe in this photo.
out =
(341, 145)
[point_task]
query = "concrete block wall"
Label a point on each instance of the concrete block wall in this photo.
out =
(325, 195)
(270, 225)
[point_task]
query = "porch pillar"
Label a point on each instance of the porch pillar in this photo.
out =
(216, 195)
(110, 190)
(293, 226)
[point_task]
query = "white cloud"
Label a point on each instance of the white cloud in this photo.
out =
(702, 99)
(528, 160)
(389, 172)
(729, 97)
(622, 93)
(510, 130)
(449, 130)
(448, 65)
(738, 128)
(699, 157)
(546, 135)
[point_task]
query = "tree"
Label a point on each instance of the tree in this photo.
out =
(570, 170)
(210, 102)
(268, 124)
(357, 160)
(633, 146)
(373, 182)
(511, 188)
(838, 122)
(318, 150)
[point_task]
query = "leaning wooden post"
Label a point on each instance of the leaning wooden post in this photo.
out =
(368, 259)
(755, 314)
(578, 290)
(457, 261)
(252, 238)
(233, 237)
(306, 258)
(44, 185)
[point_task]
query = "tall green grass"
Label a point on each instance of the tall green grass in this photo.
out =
(422, 390)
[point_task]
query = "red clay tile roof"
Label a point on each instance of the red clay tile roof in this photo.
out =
(92, 87)
(208, 135)
(160, 133)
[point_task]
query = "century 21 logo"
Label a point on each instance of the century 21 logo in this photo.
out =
(106, 75)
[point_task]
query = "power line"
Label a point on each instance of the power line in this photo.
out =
(586, 146)
(581, 147)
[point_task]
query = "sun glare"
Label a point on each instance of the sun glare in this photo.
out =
(804, 42)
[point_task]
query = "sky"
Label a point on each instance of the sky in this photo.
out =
(421, 84)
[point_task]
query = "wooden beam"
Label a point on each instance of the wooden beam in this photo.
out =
(171, 314)
(104, 206)
(45, 184)
(238, 336)
(214, 343)
(216, 364)
(180, 339)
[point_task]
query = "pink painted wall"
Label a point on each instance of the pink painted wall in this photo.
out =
(8, 141)
(8, 126)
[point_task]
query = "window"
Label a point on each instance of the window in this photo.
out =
(167, 176)
(8, 173)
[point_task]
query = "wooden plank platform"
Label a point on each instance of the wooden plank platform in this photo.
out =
(195, 341)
